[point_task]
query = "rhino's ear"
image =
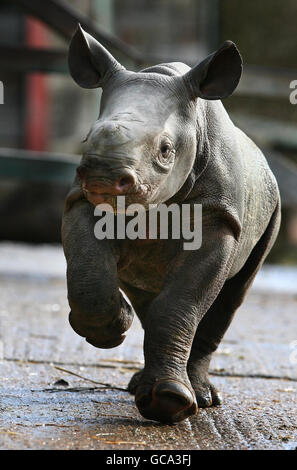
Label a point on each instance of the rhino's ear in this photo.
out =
(218, 75)
(90, 64)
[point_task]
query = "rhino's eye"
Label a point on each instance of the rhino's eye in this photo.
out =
(165, 150)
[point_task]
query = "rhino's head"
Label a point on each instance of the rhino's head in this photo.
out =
(144, 143)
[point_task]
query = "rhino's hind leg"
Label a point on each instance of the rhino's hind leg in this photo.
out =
(216, 321)
(208, 336)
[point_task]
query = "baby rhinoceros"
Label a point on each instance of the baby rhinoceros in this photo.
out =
(163, 137)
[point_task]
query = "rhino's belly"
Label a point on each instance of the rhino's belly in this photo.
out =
(144, 265)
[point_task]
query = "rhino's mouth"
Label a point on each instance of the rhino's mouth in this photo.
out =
(95, 197)
(97, 193)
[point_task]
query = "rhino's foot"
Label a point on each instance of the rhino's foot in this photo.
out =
(206, 394)
(134, 382)
(168, 400)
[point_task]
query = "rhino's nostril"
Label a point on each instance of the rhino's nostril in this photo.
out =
(124, 183)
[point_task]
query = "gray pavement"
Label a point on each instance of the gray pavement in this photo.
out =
(255, 368)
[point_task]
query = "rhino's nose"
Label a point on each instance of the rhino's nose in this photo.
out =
(117, 186)
(98, 186)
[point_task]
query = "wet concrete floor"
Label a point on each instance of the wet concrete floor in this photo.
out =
(58, 392)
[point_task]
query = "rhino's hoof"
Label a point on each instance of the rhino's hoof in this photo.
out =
(207, 397)
(103, 337)
(170, 401)
(134, 382)
(106, 344)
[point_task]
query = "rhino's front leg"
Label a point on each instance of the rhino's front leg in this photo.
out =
(98, 310)
(165, 392)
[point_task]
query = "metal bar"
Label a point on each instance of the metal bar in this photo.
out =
(37, 166)
(266, 81)
(267, 132)
(25, 59)
(37, 122)
(63, 18)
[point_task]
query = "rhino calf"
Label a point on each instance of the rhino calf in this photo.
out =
(163, 136)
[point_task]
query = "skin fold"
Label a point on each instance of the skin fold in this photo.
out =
(163, 136)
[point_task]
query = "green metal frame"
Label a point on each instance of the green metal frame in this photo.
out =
(37, 166)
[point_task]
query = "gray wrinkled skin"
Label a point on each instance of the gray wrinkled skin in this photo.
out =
(163, 135)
